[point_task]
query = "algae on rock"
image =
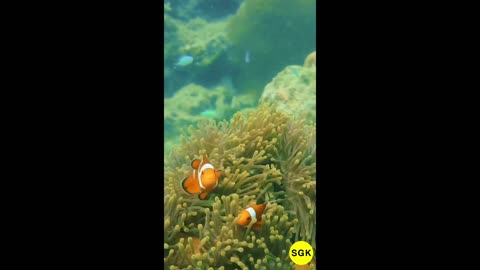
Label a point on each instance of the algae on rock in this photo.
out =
(204, 41)
(194, 103)
(293, 91)
(277, 33)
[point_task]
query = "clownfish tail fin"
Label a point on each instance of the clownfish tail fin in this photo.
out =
(203, 196)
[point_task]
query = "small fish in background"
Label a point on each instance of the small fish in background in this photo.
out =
(295, 71)
(184, 60)
(209, 113)
(247, 57)
(203, 179)
(252, 212)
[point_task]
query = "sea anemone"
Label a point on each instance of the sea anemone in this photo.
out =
(265, 156)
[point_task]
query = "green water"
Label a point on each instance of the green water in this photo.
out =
(238, 47)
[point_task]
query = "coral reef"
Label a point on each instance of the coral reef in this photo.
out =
(193, 103)
(311, 60)
(205, 41)
(277, 33)
(171, 43)
(293, 90)
(265, 155)
(219, 47)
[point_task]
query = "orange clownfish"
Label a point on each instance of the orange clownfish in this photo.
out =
(254, 211)
(203, 179)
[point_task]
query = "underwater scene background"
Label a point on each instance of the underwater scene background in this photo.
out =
(240, 89)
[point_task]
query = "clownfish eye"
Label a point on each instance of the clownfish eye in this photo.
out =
(249, 218)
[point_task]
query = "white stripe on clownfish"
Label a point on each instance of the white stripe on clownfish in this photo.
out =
(206, 166)
(252, 212)
(199, 178)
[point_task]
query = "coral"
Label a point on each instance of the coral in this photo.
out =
(205, 41)
(186, 106)
(311, 60)
(276, 32)
(193, 103)
(171, 43)
(293, 91)
(265, 155)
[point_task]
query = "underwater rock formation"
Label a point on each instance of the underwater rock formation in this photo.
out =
(311, 60)
(265, 155)
(194, 103)
(170, 30)
(205, 42)
(293, 90)
(277, 33)
(171, 43)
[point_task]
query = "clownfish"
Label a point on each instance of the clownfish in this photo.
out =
(203, 179)
(305, 266)
(254, 211)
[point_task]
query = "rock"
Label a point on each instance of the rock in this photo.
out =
(194, 103)
(293, 91)
(311, 60)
